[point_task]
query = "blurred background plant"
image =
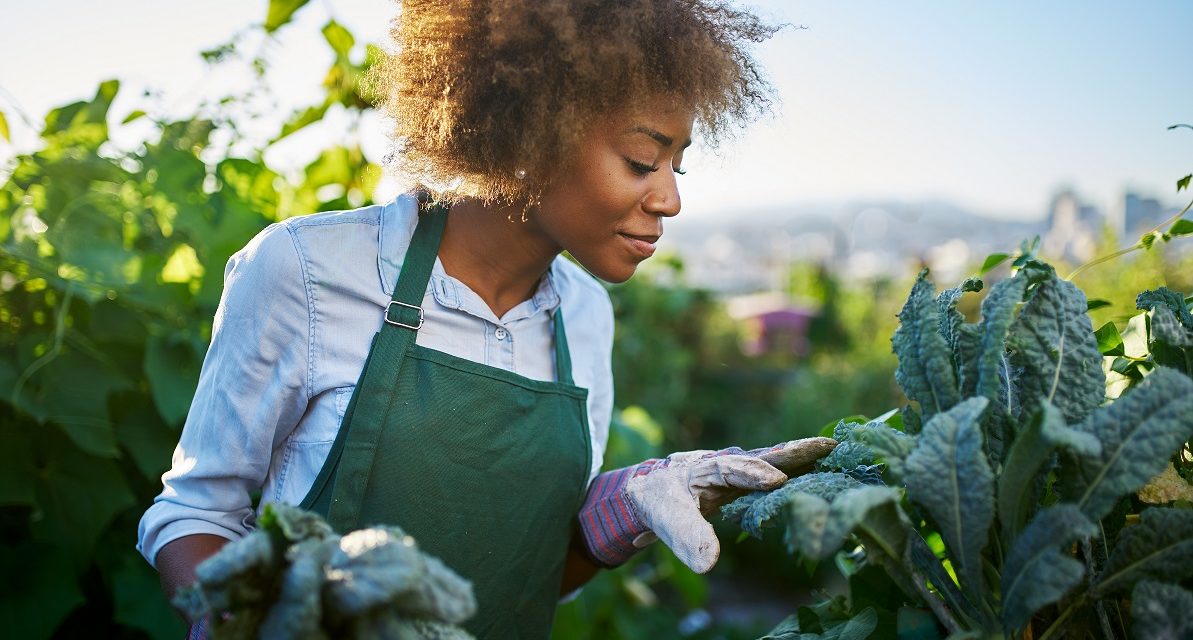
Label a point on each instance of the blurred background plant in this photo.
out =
(111, 262)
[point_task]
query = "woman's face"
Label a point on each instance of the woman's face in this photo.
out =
(606, 206)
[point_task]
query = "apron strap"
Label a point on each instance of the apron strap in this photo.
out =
(563, 356)
(403, 317)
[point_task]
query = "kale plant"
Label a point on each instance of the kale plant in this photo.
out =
(1008, 497)
(294, 578)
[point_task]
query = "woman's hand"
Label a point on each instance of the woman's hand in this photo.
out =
(669, 498)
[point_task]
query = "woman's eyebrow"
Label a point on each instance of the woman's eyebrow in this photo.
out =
(658, 136)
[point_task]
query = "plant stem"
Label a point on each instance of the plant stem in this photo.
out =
(935, 604)
(1134, 247)
(1055, 626)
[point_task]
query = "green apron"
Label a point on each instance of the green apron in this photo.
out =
(484, 467)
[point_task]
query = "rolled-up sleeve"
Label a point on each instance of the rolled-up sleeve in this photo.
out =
(600, 404)
(252, 391)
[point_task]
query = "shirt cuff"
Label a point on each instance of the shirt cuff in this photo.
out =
(152, 542)
(608, 521)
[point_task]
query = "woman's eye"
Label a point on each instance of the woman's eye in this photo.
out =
(640, 168)
(679, 171)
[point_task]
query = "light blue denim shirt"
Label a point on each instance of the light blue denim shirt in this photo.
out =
(301, 303)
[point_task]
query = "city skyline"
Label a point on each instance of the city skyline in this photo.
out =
(995, 109)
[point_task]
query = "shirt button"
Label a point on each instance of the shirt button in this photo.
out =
(500, 333)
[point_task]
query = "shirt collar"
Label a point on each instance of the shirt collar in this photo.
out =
(396, 228)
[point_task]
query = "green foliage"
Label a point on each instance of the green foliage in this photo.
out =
(1031, 534)
(825, 623)
(293, 577)
(110, 272)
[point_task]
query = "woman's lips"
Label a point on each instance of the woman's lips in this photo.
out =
(642, 245)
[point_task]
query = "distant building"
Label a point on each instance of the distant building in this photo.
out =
(773, 324)
(1073, 228)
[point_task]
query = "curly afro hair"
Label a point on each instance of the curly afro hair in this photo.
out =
(480, 88)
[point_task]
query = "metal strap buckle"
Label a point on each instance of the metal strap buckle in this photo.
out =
(402, 324)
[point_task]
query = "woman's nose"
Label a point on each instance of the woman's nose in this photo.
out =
(663, 198)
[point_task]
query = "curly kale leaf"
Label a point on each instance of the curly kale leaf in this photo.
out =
(293, 578)
(1038, 571)
(1054, 343)
(816, 528)
(1139, 432)
(949, 475)
(1171, 344)
(1032, 448)
(1159, 547)
(243, 575)
(862, 448)
(298, 611)
(1167, 299)
(1161, 611)
(383, 567)
(755, 511)
(946, 303)
(294, 524)
(925, 369)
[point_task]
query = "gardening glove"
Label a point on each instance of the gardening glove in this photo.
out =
(627, 509)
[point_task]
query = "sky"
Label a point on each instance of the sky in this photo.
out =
(990, 106)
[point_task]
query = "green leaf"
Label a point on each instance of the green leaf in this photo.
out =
(949, 475)
(172, 369)
(925, 369)
(1038, 571)
(1053, 341)
(301, 119)
(1139, 433)
(142, 434)
(1110, 343)
(1183, 183)
(4, 132)
(72, 391)
(1149, 239)
(817, 528)
(1159, 547)
(280, 12)
(133, 116)
(1181, 228)
(333, 166)
(18, 470)
(339, 38)
(46, 591)
(1096, 303)
(1032, 448)
(1161, 611)
(993, 260)
(78, 496)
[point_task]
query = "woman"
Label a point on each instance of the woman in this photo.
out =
(477, 417)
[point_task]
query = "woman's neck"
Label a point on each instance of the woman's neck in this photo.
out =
(490, 249)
